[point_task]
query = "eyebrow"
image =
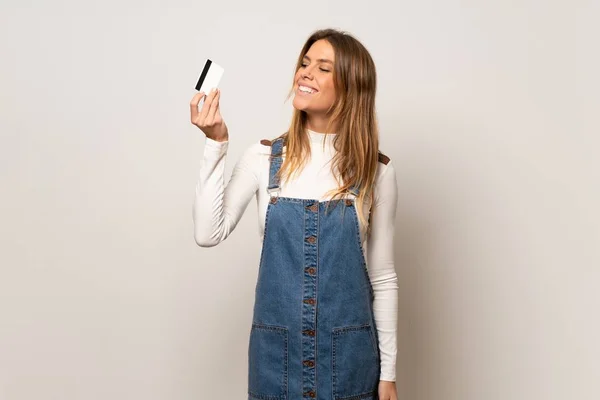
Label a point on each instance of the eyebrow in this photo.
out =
(320, 60)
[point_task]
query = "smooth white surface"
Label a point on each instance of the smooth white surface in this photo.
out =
(212, 78)
(487, 109)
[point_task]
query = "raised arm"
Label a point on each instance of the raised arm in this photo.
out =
(218, 207)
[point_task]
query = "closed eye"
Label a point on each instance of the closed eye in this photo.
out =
(324, 70)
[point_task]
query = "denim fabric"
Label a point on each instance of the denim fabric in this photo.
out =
(313, 334)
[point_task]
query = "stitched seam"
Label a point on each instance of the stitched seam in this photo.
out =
(335, 333)
(284, 331)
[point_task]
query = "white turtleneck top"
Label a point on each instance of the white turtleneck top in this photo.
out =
(218, 208)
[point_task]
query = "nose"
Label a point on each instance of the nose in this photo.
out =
(306, 74)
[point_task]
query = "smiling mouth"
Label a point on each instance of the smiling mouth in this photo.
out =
(306, 90)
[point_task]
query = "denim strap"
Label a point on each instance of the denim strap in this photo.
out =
(275, 164)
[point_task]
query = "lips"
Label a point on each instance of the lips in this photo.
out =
(307, 86)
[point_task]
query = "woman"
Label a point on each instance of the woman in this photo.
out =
(325, 311)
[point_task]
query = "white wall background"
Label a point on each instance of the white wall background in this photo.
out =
(486, 107)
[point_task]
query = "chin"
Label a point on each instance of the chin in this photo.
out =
(308, 106)
(300, 105)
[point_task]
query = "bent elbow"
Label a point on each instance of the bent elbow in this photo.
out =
(205, 241)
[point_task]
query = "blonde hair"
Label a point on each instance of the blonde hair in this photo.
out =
(353, 114)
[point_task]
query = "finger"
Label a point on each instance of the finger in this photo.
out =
(218, 113)
(194, 105)
(207, 103)
(214, 106)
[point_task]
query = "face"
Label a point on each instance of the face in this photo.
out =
(313, 83)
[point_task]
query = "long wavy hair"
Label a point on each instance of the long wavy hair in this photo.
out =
(352, 114)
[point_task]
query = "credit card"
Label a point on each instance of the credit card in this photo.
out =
(210, 77)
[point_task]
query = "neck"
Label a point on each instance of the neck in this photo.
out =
(318, 124)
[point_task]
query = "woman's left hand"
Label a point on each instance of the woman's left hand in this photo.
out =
(387, 390)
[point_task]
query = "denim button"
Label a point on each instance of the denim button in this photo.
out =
(311, 270)
(309, 332)
(348, 202)
(311, 239)
(309, 301)
(308, 363)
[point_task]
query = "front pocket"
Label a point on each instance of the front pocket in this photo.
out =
(267, 362)
(355, 363)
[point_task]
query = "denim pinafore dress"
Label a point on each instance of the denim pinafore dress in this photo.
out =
(313, 334)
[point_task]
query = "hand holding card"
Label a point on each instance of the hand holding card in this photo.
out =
(209, 118)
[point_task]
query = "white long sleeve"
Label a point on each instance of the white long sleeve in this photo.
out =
(218, 208)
